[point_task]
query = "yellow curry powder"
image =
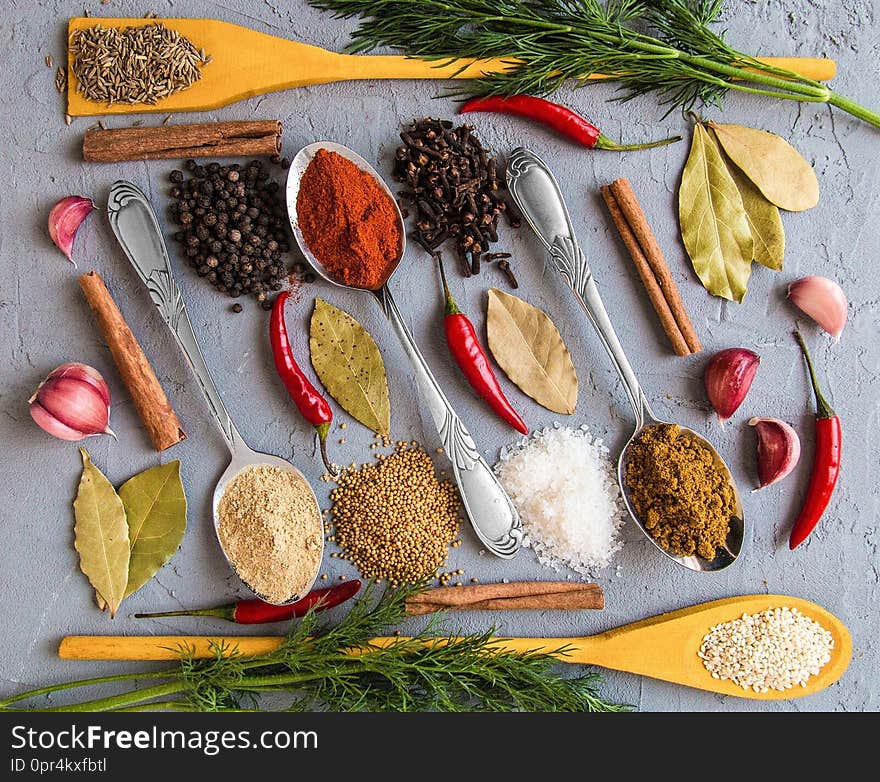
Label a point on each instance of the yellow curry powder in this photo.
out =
(682, 497)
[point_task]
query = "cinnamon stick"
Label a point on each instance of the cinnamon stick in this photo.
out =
(249, 138)
(548, 595)
(149, 399)
(652, 287)
(638, 224)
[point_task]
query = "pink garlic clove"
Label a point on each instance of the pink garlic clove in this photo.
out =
(728, 377)
(73, 402)
(65, 219)
(823, 300)
(779, 449)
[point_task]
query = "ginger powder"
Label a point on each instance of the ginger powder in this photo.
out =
(270, 528)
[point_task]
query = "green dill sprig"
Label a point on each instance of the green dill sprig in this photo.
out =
(316, 669)
(666, 47)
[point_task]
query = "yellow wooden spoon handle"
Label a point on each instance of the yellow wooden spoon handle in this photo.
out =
(397, 67)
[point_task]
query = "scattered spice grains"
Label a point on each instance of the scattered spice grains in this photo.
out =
(564, 487)
(133, 64)
(678, 491)
(394, 519)
(270, 528)
(772, 650)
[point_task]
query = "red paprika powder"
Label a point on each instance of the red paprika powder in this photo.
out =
(348, 221)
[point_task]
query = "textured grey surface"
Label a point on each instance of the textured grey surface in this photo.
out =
(45, 321)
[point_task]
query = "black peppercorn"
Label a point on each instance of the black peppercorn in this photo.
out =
(236, 307)
(234, 224)
(266, 305)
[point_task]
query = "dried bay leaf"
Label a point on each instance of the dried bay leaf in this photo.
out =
(155, 507)
(101, 534)
(714, 226)
(350, 366)
(528, 347)
(765, 222)
(777, 169)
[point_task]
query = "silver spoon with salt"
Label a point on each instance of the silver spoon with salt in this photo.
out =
(537, 195)
(135, 225)
(490, 510)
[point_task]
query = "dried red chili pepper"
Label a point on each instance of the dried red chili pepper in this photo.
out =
(560, 118)
(472, 359)
(311, 405)
(255, 612)
(826, 461)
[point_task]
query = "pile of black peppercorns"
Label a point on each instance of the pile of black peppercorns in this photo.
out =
(233, 227)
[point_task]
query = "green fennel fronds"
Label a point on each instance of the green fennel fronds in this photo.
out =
(316, 670)
(666, 47)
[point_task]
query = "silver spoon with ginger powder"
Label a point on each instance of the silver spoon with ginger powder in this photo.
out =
(135, 225)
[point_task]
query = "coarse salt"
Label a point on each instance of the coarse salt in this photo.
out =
(564, 486)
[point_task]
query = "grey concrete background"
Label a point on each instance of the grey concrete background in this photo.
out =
(45, 322)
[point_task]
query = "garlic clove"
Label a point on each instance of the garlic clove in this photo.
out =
(65, 219)
(823, 300)
(779, 449)
(728, 377)
(73, 402)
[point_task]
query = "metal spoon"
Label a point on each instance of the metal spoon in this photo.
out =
(134, 222)
(487, 505)
(537, 195)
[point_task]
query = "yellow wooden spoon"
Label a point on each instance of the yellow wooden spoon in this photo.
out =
(662, 647)
(246, 63)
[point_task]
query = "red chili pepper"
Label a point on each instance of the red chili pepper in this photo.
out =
(826, 461)
(473, 361)
(313, 407)
(256, 612)
(560, 118)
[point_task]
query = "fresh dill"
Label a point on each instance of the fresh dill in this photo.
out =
(668, 47)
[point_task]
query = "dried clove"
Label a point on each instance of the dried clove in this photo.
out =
(504, 266)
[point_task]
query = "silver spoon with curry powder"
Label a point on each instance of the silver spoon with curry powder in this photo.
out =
(537, 195)
(135, 225)
(490, 510)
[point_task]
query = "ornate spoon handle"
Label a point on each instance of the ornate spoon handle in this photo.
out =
(135, 225)
(487, 505)
(537, 195)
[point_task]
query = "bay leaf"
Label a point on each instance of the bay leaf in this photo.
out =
(155, 508)
(528, 347)
(714, 226)
(350, 366)
(777, 169)
(101, 534)
(765, 222)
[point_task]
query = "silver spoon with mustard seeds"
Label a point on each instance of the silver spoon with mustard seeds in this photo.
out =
(536, 194)
(135, 225)
(490, 510)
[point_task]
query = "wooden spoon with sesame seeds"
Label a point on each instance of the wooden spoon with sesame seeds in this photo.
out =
(245, 62)
(663, 647)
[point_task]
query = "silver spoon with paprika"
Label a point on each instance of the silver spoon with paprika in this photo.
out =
(490, 510)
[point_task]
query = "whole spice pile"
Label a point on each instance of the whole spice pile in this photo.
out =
(773, 650)
(270, 528)
(683, 499)
(394, 519)
(565, 489)
(233, 222)
(453, 184)
(133, 64)
(348, 221)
